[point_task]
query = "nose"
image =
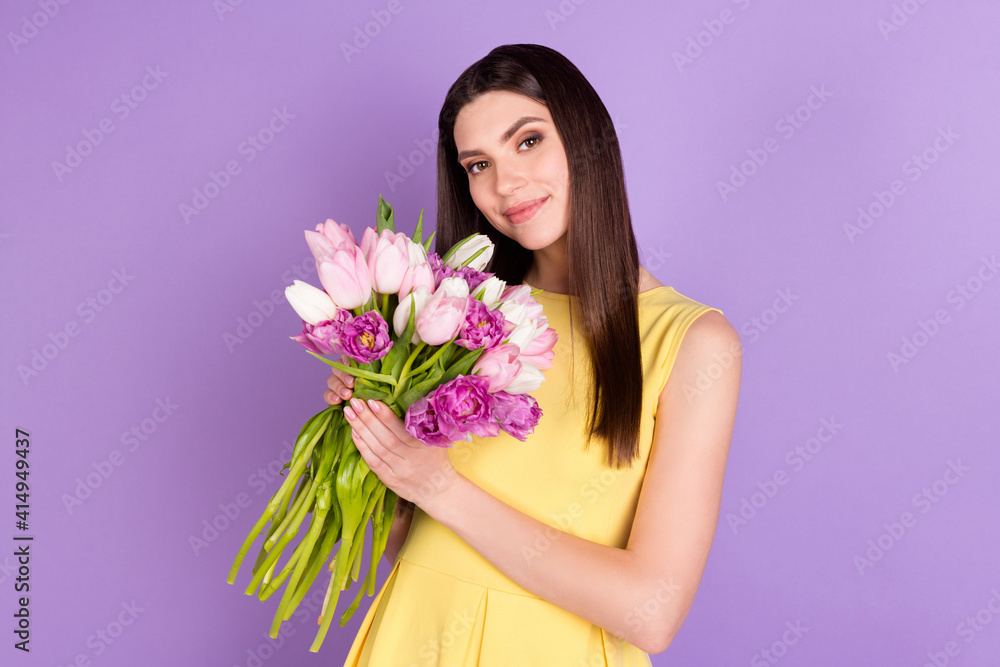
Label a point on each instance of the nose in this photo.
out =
(510, 177)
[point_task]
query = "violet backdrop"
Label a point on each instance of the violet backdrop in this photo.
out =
(820, 171)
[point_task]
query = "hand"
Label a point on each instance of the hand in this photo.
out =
(413, 470)
(340, 386)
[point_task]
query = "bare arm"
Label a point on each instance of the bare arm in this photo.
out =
(398, 531)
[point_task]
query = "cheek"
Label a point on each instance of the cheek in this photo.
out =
(556, 170)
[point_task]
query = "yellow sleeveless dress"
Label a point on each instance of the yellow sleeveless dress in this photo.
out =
(443, 604)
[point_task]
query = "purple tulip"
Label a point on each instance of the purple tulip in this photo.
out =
(441, 271)
(324, 337)
(517, 414)
(422, 423)
(483, 328)
(365, 338)
(465, 406)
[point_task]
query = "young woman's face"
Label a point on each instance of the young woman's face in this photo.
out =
(514, 156)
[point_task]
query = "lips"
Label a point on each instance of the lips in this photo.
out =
(523, 205)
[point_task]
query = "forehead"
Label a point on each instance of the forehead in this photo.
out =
(493, 112)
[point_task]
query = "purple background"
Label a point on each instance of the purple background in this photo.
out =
(354, 119)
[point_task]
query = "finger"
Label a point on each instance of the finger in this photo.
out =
(338, 386)
(374, 461)
(394, 424)
(374, 432)
(331, 398)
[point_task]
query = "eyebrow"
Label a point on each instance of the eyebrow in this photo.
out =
(505, 137)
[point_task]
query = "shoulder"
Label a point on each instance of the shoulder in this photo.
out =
(710, 348)
(689, 334)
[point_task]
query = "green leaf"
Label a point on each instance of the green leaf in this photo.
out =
(357, 372)
(400, 361)
(427, 245)
(462, 366)
(451, 250)
(478, 253)
(420, 389)
(419, 231)
(384, 216)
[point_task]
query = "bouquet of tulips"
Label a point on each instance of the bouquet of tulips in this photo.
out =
(462, 355)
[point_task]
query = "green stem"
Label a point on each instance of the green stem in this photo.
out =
(326, 614)
(269, 587)
(273, 556)
(259, 526)
(276, 500)
(319, 517)
(405, 373)
(430, 362)
(273, 537)
(330, 537)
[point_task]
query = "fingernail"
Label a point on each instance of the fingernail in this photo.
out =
(349, 413)
(345, 392)
(374, 405)
(357, 404)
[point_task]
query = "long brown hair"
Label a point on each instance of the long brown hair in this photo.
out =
(603, 257)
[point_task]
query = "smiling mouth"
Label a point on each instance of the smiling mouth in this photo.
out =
(524, 211)
(523, 205)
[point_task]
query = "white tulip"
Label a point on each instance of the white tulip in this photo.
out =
(311, 303)
(515, 312)
(523, 334)
(527, 381)
(470, 248)
(453, 286)
(416, 252)
(490, 290)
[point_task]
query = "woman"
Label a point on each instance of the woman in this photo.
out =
(555, 551)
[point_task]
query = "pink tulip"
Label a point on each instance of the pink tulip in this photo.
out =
(417, 299)
(337, 233)
(319, 245)
(344, 275)
(539, 352)
(368, 240)
(388, 260)
(500, 365)
(441, 319)
(416, 276)
(522, 294)
(516, 293)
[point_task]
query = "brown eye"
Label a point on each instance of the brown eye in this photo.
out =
(535, 138)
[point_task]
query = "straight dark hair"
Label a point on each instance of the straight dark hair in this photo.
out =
(603, 256)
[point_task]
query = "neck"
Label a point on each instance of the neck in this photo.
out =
(549, 268)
